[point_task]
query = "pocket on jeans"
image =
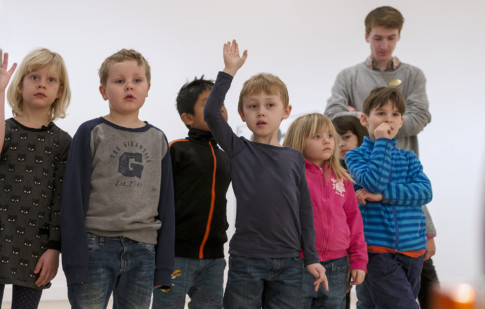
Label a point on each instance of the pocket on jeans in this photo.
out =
(150, 248)
(92, 242)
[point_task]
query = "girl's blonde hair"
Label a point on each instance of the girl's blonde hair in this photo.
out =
(35, 60)
(305, 127)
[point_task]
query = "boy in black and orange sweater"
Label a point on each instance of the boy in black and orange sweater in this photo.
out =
(201, 174)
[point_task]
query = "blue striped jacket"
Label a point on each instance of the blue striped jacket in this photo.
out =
(397, 222)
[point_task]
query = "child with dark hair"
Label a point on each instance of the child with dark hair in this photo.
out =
(351, 134)
(383, 27)
(392, 188)
(201, 174)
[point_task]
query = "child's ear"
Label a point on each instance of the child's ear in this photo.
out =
(363, 120)
(102, 90)
(187, 118)
(287, 112)
(148, 89)
(242, 115)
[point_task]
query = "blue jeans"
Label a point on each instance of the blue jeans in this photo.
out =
(393, 280)
(116, 265)
(336, 271)
(267, 283)
(201, 279)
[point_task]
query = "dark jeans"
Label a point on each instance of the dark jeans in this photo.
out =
(201, 279)
(429, 279)
(394, 279)
(267, 283)
(336, 272)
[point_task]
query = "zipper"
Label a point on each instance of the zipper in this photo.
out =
(213, 198)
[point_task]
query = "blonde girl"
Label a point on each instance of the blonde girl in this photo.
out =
(33, 157)
(338, 223)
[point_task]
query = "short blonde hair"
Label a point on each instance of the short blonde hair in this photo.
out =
(384, 16)
(267, 83)
(35, 60)
(305, 127)
(121, 56)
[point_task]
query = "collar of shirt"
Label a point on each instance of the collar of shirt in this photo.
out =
(394, 64)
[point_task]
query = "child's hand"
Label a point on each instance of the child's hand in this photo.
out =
(318, 271)
(363, 196)
(384, 130)
(358, 276)
(47, 267)
(232, 60)
(4, 73)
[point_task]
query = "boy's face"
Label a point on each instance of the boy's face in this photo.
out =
(263, 114)
(383, 122)
(126, 87)
(196, 120)
(382, 43)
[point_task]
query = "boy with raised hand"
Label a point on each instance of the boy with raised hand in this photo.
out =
(393, 188)
(201, 173)
(274, 220)
(118, 208)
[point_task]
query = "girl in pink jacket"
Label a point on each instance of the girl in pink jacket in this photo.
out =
(338, 224)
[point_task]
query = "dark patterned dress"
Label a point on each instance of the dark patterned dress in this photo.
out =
(32, 165)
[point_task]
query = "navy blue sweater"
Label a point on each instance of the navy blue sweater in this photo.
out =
(274, 210)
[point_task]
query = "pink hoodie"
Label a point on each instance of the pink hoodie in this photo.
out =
(338, 223)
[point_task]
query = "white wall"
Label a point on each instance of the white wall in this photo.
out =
(306, 43)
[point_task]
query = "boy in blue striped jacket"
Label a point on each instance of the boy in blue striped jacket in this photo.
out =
(391, 188)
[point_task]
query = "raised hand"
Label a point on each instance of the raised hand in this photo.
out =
(4, 73)
(232, 60)
(4, 79)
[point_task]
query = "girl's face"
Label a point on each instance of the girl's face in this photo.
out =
(40, 88)
(319, 147)
(348, 141)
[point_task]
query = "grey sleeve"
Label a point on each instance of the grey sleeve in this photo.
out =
(430, 229)
(340, 98)
(417, 114)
